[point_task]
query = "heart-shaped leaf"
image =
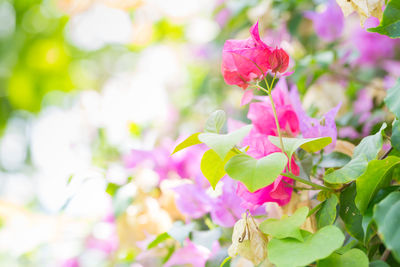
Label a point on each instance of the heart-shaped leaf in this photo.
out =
(349, 213)
(215, 122)
(352, 258)
(370, 145)
(308, 144)
(349, 172)
(387, 218)
(190, 141)
(212, 166)
(326, 215)
(253, 173)
(286, 227)
(375, 177)
(222, 143)
(392, 99)
(292, 252)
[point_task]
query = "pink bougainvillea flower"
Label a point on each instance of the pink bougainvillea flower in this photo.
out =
(279, 61)
(262, 116)
(191, 254)
(329, 24)
(246, 60)
(312, 127)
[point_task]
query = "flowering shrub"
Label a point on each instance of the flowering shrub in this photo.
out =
(355, 198)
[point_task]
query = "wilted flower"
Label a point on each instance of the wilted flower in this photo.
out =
(248, 241)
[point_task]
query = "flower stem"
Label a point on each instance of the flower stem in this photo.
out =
(278, 128)
(301, 180)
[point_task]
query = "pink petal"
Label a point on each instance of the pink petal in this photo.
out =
(247, 97)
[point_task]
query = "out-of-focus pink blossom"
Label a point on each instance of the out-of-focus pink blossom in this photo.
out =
(363, 105)
(227, 208)
(246, 60)
(192, 200)
(348, 132)
(73, 262)
(329, 24)
(372, 47)
(192, 254)
(312, 127)
(184, 163)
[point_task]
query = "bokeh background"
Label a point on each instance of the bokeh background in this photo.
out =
(94, 94)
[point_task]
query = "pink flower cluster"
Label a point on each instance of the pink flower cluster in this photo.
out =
(247, 60)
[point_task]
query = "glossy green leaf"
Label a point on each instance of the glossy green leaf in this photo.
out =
(253, 173)
(392, 99)
(378, 263)
(308, 144)
(326, 215)
(222, 143)
(349, 213)
(212, 166)
(190, 141)
(395, 138)
(215, 122)
(352, 258)
(286, 227)
(387, 218)
(292, 252)
(334, 160)
(351, 171)
(390, 23)
(375, 177)
(370, 145)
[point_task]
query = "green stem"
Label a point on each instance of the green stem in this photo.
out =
(301, 180)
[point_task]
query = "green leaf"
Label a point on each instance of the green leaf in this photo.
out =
(292, 252)
(351, 171)
(349, 213)
(215, 122)
(395, 138)
(392, 99)
(378, 263)
(352, 258)
(253, 173)
(387, 218)
(286, 227)
(159, 239)
(190, 141)
(375, 177)
(222, 143)
(206, 238)
(292, 144)
(212, 166)
(326, 215)
(370, 145)
(390, 23)
(225, 261)
(334, 160)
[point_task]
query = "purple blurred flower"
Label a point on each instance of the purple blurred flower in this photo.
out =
(363, 105)
(373, 47)
(329, 24)
(312, 127)
(184, 163)
(192, 200)
(227, 208)
(348, 132)
(192, 254)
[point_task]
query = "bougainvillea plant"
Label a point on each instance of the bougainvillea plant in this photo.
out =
(284, 154)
